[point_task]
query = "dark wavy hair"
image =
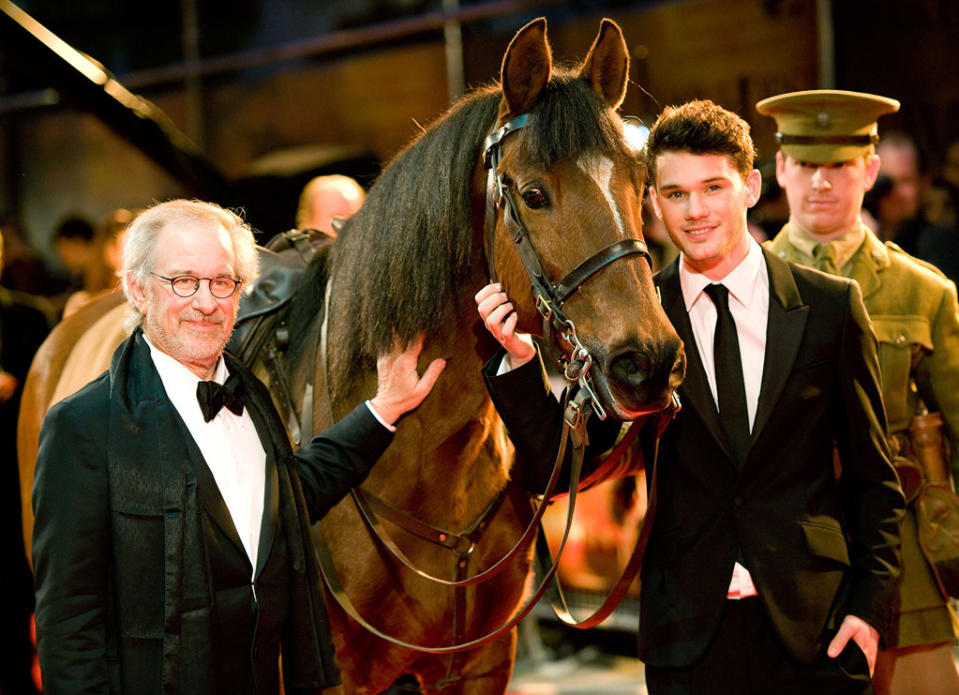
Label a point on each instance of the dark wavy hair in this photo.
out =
(701, 127)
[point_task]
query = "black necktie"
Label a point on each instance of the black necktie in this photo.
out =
(213, 396)
(729, 373)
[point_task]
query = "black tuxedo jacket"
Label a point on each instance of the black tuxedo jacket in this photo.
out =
(143, 584)
(820, 543)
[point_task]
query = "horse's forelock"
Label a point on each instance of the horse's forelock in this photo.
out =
(569, 120)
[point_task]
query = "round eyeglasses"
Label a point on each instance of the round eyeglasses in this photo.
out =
(187, 285)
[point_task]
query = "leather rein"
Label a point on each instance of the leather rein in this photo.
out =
(579, 402)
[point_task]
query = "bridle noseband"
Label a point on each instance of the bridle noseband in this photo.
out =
(574, 359)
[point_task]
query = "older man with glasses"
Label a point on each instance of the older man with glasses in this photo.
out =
(171, 541)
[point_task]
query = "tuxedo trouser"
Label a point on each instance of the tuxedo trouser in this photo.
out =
(746, 657)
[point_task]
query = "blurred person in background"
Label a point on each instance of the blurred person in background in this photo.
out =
(23, 269)
(870, 202)
(73, 242)
(904, 208)
(950, 168)
(105, 259)
(940, 203)
(940, 243)
(328, 197)
(899, 210)
(23, 327)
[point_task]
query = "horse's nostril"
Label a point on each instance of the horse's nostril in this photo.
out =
(630, 368)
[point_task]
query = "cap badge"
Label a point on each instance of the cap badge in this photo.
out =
(822, 120)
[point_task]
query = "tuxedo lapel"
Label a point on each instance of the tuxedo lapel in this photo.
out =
(784, 334)
(269, 524)
(270, 521)
(149, 445)
(694, 390)
(271, 514)
(147, 432)
(210, 497)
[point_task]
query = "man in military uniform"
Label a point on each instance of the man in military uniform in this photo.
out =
(826, 162)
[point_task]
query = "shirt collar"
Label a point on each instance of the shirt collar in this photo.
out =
(845, 245)
(742, 281)
(176, 374)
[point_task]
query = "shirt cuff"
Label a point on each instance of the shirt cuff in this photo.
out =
(391, 428)
(508, 364)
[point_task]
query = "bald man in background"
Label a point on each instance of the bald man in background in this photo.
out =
(328, 197)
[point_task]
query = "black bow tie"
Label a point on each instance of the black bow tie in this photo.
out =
(213, 396)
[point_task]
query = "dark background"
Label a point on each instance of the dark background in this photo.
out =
(264, 94)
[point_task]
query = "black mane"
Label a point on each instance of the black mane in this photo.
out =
(397, 266)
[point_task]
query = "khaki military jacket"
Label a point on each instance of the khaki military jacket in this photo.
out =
(914, 311)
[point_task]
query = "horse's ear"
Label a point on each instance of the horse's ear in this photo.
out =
(526, 69)
(607, 64)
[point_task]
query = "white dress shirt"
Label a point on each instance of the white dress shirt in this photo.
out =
(748, 285)
(230, 446)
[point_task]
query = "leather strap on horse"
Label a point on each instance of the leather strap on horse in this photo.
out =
(372, 507)
(365, 503)
(633, 565)
(592, 265)
(330, 575)
(615, 465)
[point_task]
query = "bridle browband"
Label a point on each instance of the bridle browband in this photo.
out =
(574, 359)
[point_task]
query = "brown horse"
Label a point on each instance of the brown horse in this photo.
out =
(409, 263)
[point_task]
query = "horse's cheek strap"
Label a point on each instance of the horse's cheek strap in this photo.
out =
(492, 200)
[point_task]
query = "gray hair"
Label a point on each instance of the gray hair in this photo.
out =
(139, 244)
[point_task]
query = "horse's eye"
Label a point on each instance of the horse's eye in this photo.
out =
(535, 198)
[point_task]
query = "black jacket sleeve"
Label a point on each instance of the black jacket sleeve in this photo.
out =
(339, 458)
(534, 419)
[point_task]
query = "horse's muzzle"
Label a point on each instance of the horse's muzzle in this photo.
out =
(643, 381)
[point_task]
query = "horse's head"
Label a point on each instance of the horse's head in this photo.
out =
(569, 191)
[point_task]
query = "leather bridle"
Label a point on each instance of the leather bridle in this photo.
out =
(572, 356)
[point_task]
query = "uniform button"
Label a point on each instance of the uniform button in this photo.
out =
(738, 501)
(900, 339)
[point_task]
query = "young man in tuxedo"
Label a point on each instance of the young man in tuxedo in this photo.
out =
(769, 568)
(171, 543)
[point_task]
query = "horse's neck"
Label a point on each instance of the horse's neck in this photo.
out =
(453, 442)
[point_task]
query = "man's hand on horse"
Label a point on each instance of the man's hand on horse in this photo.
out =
(500, 318)
(400, 388)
